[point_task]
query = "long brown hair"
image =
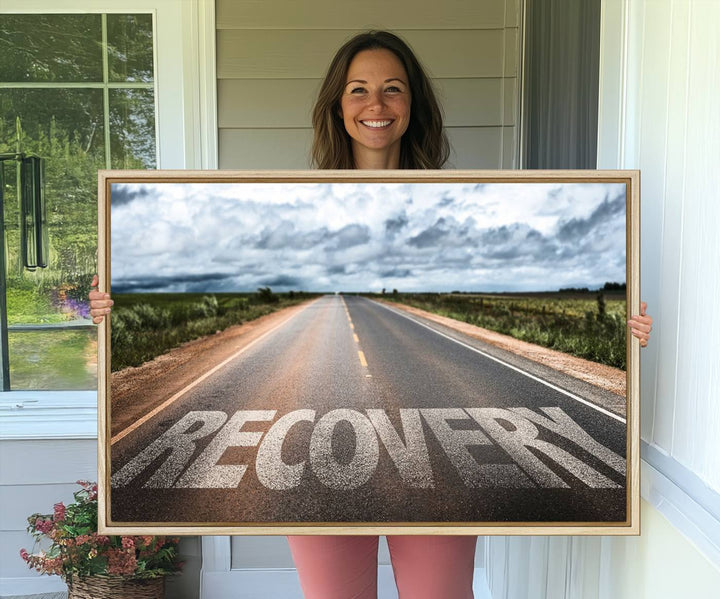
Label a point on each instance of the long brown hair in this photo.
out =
(424, 144)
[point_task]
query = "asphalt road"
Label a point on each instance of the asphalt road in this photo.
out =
(355, 411)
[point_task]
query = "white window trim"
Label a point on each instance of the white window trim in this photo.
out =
(186, 125)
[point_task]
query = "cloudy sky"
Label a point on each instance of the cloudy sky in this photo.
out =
(212, 237)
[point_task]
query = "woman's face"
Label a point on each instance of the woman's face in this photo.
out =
(375, 103)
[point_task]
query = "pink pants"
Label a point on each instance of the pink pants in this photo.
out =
(425, 567)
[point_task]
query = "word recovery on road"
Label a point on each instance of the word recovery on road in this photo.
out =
(515, 430)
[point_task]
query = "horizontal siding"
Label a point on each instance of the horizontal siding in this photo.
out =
(47, 462)
(377, 14)
(281, 103)
(297, 54)
(34, 476)
(475, 147)
(19, 501)
(264, 148)
(266, 103)
(247, 149)
(11, 564)
(271, 58)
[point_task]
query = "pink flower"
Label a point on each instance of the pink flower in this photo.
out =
(121, 562)
(59, 509)
(82, 539)
(43, 526)
(25, 555)
(128, 542)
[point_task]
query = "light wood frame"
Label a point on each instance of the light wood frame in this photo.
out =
(631, 526)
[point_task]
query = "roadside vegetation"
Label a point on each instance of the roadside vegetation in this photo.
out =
(146, 325)
(580, 322)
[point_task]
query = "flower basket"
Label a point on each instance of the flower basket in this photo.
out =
(116, 587)
(97, 566)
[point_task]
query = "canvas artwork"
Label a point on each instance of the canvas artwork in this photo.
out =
(311, 352)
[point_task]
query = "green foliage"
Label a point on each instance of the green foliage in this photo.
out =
(601, 306)
(572, 323)
(266, 296)
(144, 326)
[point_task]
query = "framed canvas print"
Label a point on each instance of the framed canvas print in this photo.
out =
(369, 352)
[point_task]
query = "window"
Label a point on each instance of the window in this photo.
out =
(78, 91)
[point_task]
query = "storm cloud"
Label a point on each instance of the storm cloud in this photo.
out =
(577, 228)
(180, 283)
(367, 236)
(124, 194)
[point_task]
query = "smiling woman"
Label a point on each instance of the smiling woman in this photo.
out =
(375, 78)
(375, 108)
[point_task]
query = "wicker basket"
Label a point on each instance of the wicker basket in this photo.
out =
(116, 587)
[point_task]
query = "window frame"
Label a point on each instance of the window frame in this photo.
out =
(184, 33)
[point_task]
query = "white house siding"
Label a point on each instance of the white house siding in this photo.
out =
(660, 81)
(271, 58)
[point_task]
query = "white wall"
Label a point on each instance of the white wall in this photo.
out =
(660, 84)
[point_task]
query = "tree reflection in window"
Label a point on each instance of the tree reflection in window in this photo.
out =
(78, 90)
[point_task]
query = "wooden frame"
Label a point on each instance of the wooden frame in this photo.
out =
(519, 450)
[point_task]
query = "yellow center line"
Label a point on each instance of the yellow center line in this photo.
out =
(356, 338)
(363, 361)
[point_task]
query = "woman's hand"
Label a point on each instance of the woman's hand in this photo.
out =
(99, 302)
(641, 325)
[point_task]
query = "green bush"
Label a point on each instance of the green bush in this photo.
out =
(594, 330)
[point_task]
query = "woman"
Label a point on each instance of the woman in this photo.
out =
(377, 110)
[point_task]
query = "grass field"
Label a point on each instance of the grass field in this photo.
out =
(589, 325)
(146, 325)
(57, 359)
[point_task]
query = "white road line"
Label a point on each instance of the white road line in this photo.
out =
(135, 425)
(499, 361)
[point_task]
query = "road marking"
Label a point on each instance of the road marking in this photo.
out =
(135, 425)
(515, 368)
(361, 355)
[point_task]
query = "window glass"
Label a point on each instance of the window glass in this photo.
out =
(128, 38)
(37, 48)
(132, 128)
(62, 116)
